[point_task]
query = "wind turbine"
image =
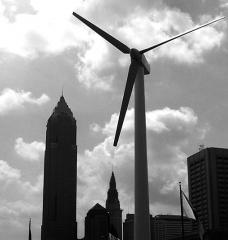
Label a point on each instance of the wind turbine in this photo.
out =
(138, 68)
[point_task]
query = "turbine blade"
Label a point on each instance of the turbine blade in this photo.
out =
(133, 69)
(122, 47)
(180, 35)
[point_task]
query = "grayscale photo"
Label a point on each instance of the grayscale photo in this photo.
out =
(113, 120)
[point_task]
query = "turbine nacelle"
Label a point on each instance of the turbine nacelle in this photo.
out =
(140, 59)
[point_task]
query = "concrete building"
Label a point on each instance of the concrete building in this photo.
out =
(128, 227)
(167, 227)
(162, 227)
(97, 223)
(208, 189)
(60, 176)
(113, 208)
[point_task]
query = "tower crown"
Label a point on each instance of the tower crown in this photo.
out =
(113, 207)
(112, 201)
(61, 125)
(62, 108)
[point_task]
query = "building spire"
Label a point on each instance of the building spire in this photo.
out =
(112, 183)
(30, 234)
(112, 196)
(62, 90)
(62, 107)
(113, 207)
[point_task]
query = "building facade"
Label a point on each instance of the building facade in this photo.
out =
(208, 189)
(128, 227)
(113, 208)
(97, 223)
(167, 227)
(60, 176)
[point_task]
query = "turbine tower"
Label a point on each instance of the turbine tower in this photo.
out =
(138, 68)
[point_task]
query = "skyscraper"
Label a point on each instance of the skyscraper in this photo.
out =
(60, 171)
(113, 207)
(208, 189)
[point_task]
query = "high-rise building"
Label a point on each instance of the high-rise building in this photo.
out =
(208, 189)
(113, 208)
(60, 171)
(128, 227)
(167, 227)
(97, 223)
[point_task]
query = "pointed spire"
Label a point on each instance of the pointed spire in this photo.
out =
(30, 233)
(63, 85)
(62, 107)
(112, 183)
(112, 195)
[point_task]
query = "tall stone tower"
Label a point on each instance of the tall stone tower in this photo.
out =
(113, 207)
(60, 176)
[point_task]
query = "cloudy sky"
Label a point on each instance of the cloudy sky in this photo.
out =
(43, 49)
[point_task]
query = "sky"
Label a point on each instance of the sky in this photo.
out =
(44, 49)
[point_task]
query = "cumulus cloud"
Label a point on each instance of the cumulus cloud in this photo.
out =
(37, 29)
(13, 186)
(19, 200)
(12, 100)
(92, 67)
(30, 28)
(29, 151)
(145, 28)
(8, 173)
(160, 120)
(169, 131)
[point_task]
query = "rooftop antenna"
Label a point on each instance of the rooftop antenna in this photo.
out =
(201, 147)
(138, 68)
(62, 89)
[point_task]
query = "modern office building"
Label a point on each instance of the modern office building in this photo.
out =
(162, 227)
(113, 208)
(60, 176)
(208, 189)
(97, 223)
(167, 227)
(128, 227)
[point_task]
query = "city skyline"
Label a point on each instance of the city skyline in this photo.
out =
(43, 50)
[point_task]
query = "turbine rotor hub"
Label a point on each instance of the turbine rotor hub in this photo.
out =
(140, 59)
(136, 55)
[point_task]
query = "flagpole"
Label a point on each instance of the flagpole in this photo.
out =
(182, 216)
